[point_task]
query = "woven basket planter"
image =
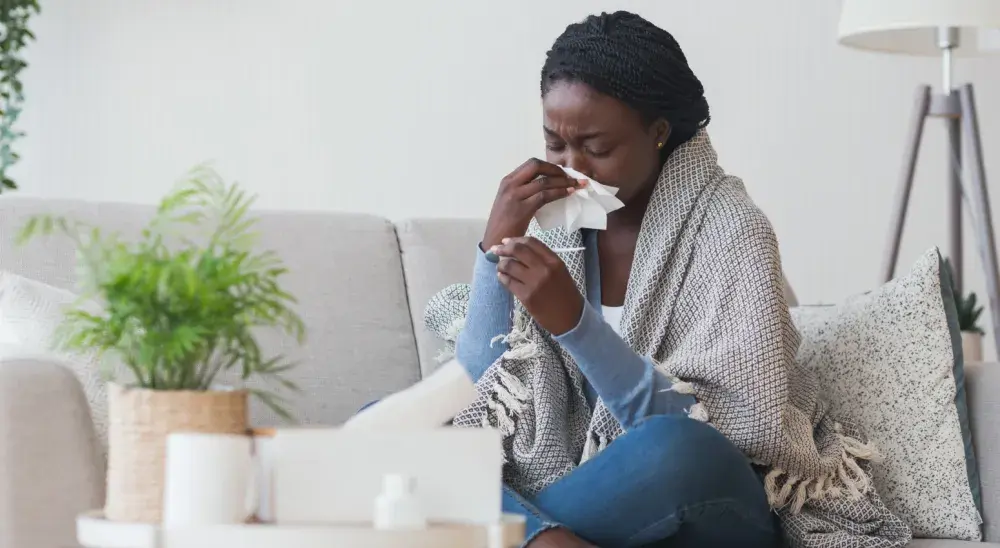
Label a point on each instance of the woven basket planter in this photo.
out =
(139, 422)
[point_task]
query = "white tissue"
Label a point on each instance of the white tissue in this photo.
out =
(427, 404)
(588, 207)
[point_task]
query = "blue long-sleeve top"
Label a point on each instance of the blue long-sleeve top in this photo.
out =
(628, 384)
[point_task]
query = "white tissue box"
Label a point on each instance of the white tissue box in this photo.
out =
(334, 475)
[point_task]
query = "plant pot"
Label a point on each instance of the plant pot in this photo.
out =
(972, 346)
(139, 422)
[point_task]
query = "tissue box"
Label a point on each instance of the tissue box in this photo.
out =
(334, 475)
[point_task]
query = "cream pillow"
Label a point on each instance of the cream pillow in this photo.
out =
(890, 362)
(30, 312)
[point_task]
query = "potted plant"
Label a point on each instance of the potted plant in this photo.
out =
(176, 309)
(968, 320)
(14, 34)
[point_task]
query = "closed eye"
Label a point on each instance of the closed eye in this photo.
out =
(600, 153)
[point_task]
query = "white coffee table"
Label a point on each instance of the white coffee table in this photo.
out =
(93, 531)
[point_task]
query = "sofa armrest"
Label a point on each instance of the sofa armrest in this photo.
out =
(982, 385)
(51, 465)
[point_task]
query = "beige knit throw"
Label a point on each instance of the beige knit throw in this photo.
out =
(705, 301)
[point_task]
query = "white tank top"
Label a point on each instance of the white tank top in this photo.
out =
(613, 315)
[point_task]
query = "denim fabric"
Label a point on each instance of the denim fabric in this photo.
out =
(671, 481)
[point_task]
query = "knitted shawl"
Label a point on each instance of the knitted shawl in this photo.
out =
(705, 301)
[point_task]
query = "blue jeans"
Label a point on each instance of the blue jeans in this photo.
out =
(671, 481)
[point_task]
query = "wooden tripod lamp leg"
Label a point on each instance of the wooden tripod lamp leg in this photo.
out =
(981, 207)
(921, 107)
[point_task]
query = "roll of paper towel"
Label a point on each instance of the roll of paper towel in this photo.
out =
(429, 403)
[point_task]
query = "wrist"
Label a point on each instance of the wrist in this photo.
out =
(570, 319)
(489, 241)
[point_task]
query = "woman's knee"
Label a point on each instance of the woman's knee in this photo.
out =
(680, 434)
(686, 448)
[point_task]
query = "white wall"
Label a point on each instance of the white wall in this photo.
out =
(417, 108)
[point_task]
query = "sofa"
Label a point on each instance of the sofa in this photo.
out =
(362, 282)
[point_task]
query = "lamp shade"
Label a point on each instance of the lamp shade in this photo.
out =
(911, 26)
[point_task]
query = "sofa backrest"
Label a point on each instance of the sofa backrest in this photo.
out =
(345, 270)
(436, 253)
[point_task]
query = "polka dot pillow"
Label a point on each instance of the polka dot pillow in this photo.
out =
(890, 362)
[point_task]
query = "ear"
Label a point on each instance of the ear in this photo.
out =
(661, 132)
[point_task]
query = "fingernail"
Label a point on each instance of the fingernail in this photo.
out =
(492, 257)
(505, 241)
(570, 190)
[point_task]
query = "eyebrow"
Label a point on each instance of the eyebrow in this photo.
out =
(582, 137)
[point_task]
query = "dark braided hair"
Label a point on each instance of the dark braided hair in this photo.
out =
(627, 57)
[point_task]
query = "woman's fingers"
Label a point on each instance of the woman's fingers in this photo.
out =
(512, 268)
(537, 249)
(530, 170)
(518, 249)
(521, 250)
(547, 189)
(513, 285)
(547, 183)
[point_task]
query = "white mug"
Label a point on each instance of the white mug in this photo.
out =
(210, 480)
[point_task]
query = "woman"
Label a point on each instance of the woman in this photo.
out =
(635, 381)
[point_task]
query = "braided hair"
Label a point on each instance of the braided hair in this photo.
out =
(627, 57)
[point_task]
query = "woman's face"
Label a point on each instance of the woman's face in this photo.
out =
(601, 137)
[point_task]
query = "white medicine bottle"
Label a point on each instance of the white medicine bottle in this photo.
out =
(398, 507)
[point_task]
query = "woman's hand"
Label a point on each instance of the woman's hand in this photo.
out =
(521, 194)
(540, 280)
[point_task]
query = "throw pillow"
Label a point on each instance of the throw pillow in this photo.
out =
(888, 362)
(30, 312)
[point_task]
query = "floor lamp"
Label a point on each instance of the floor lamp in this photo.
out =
(948, 29)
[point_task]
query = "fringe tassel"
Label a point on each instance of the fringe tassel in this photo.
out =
(504, 422)
(801, 495)
(848, 477)
(445, 354)
(771, 486)
(589, 448)
(454, 329)
(818, 488)
(594, 445)
(451, 335)
(513, 385)
(507, 402)
(519, 339)
(698, 412)
(682, 387)
(781, 498)
(509, 393)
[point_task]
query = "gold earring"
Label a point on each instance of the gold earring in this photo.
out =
(659, 145)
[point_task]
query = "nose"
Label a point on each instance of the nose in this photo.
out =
(578, 162)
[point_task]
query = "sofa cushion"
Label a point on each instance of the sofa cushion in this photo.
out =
(30, 314)
(436, 253)
(982, 383)
(886, 360)
(344, 269)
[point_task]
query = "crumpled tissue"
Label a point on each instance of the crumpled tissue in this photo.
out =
(588, 207)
